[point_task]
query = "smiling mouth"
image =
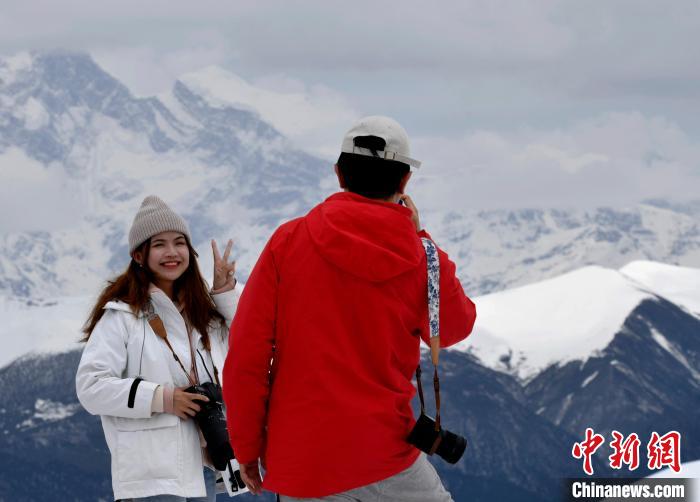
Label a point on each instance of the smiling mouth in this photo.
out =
(170, 264)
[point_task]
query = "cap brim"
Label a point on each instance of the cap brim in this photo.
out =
(386, 154)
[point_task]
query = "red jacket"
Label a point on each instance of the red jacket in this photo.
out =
(324, 346)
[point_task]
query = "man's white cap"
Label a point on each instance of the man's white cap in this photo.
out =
(383, 127)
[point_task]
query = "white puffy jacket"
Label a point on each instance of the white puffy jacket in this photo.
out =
(152, 453)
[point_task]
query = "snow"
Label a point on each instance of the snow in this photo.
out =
(12, 66)
(34, 115)
(315, 118)
(688, 470)
(25, 182)
(680, 285)
(49, 411)
(557, 320)
(174, 106)
(51, 327)
(589, 379)
(671, 349)
(564, 408)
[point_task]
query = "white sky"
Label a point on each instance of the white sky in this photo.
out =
(508, 103)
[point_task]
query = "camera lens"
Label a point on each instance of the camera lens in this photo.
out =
(451, 447)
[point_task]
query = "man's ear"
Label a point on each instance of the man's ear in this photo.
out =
(341, 180)
(404, 181)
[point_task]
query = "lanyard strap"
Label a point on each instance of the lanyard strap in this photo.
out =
(216, 372)
(158, 328)
(433, 264)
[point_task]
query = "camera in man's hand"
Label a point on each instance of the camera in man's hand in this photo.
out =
(212, 422)
(446, 444)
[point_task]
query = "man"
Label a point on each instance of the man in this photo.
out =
(325, 341)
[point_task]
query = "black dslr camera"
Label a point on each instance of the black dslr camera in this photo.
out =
(211, 421)
(446, 444)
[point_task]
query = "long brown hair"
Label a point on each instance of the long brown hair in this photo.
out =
(132, 285)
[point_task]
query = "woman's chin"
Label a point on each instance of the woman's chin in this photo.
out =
(169, 275)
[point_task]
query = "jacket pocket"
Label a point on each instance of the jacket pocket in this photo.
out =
(148, 448)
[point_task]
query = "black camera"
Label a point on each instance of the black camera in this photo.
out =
(448, 445)
(212, 422)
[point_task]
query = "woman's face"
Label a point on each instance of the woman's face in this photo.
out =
(169, 256)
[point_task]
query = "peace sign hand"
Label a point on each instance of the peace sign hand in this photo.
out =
(223, 270)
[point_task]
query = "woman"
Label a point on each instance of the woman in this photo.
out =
(135, 376)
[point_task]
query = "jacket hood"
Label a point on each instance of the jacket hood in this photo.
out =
(160, 302)
(119, 306)
(371, 239)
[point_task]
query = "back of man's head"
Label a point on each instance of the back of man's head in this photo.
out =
(375, 157)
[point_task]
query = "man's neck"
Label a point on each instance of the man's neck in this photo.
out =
(394, 198)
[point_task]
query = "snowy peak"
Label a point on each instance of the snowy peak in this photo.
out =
(680, 285)
(51, 104)
(570, 317)
(70, 130)
(501, 249)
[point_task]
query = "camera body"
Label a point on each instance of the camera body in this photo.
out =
(446, 444)
(212, 422)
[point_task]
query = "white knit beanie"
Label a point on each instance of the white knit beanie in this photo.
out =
(154, 217)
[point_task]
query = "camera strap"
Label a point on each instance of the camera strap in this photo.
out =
(216, 372)
(158, 328)
(433, 264)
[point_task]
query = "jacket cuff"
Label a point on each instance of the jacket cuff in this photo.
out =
(143, 398)
(227, 301)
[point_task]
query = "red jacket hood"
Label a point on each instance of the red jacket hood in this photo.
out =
(371, 239)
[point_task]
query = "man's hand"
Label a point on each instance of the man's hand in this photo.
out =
(250, 474)
(185, 403)
(410, 205)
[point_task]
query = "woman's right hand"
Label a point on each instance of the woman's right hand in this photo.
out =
(185, 403)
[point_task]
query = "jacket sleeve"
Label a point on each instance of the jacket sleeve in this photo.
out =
(226, 303)
(99, 383)
(247, 369)
(457, 311)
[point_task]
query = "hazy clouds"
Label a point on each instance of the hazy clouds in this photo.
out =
(521, 102)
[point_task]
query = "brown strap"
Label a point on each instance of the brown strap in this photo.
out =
(159, 329)
(436, 386)
(435, 349)
(420, 390)
(436, 444)
(192, 350)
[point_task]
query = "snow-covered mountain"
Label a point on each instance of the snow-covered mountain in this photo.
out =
(496, 250)
(632, 365)
(602, 348)
(67, 123)
(574, 316)
(680, 285)
(576, 326)
(80, 151)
